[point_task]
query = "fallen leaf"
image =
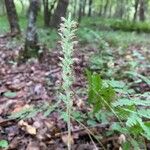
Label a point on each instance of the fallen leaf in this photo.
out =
(10, 94)
(19, 108)
(33, 146)
(80, 103)
(49, 124)
(65, 139)
(121, 139)
(26, 127)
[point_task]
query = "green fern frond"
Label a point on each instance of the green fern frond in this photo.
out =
(130, 102)
(132, 119)
(145, 129)
(135, 119)
(134, 74)
(144, 113)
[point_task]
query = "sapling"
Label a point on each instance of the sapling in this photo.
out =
(67, 34)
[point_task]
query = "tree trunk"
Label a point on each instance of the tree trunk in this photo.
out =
(2, 8)
(136, 9)
(105, 8)
(12, 17)
(75, 9)
(31, 42)
(110, 9)
(80, 13)
(46, 12)
(142, 10)
(90, 8)
(101, 8)
(120, 7)
(59, 12)
(83, 7)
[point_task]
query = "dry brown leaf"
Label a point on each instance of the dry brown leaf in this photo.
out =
(65, 139)
(26, 127)
(33, 146)
(19, 107)
(49, 124)
(129, 57)
(80, 103)
(121, 139)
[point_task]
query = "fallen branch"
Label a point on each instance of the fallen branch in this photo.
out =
(7, 122)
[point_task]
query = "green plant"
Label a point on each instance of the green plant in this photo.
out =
(136, 113)
(100, 94)
(125, 25)
(67, 33)
(10, 94)
(32, 111)
(3, 144)
(133, 114)
(139, 76)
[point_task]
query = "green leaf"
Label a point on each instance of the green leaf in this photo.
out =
(99, 93)
(48, 111)
(135, 144)
(78, 115)
(134, 74)
(91, 122)
(108, 94)
(145, 129)
(10, 94)
(132, 120)
(64, 116)
(117, 127)
(3, 144)
(130, 102)
(117, 84)
(126, 146)
(136, 130)
(144, 113)
(23, 113)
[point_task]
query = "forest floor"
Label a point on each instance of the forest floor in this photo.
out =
(29, 110)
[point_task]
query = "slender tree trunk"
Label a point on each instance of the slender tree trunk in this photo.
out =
(142, 10)
(51, 9)
(2, 8)
(46, 12)
(75, 8)
(120, 7)
(22, 7)
(80, 11)
(90, 8)
(136, 9)
(105, 8)
(110, 9)
(83, 8)
(101, 8)
(59, 12)
(12, 17)
(31, 42)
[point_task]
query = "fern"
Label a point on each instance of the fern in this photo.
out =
(135, 116)
(31, 111)
(144, 113)
(133, 119)
(134, 74)
(100, 94)
(128, 102)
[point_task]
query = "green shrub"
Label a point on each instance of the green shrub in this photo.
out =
(115, 24)
(130, 26)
